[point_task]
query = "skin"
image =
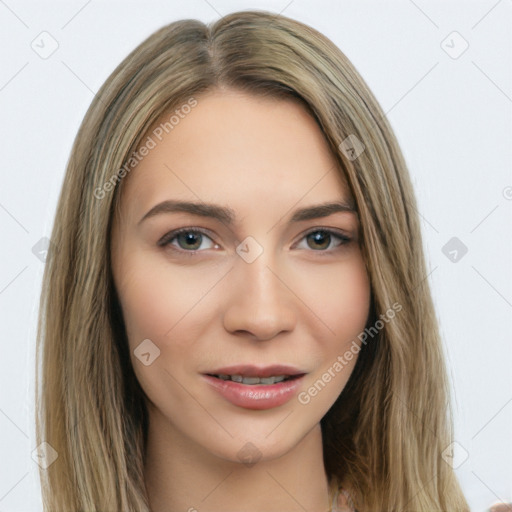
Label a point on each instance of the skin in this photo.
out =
(301, 302)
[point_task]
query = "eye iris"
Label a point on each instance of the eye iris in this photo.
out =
(318, 237)
(188, 237)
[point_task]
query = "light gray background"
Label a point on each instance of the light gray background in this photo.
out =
(452, 117)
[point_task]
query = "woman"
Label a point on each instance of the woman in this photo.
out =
(236, 315)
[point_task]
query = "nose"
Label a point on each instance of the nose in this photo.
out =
(260, 304)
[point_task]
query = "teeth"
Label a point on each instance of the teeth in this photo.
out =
(272, 380)
(253, 380)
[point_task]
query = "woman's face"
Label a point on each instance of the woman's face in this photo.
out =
(259, 277)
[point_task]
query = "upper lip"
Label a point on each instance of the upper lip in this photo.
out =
(248, 370)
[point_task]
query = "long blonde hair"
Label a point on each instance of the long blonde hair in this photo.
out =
(385, 435)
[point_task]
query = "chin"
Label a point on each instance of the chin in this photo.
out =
(270, 441)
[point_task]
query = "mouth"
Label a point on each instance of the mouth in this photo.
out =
(255, 381)
(252, 387)
(257, 375)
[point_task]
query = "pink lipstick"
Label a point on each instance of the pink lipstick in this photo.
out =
(253, 387)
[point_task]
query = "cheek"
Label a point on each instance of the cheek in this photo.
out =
(349, 311)
(339, 295)
(152, 297)
(149, 304)
(160, 304)
(165, 303)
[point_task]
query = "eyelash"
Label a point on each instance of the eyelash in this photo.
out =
(166, 240)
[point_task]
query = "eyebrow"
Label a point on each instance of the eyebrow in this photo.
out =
(227, 215)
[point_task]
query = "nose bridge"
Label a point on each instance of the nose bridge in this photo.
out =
(255, 263)
(260, 280)
(260, 302)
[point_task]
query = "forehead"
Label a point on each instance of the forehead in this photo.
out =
(239, 149)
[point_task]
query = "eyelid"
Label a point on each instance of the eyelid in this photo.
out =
(343, 236)
(332, 231)
(172, 234)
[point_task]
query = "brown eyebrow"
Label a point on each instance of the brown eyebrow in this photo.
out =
(227, 215)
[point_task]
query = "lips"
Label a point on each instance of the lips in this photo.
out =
(253, 387)
(254, 381)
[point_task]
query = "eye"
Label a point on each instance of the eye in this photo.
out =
(187, 239)
(321, 239)
(191, 240)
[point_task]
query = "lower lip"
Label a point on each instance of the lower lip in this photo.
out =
(255, 396)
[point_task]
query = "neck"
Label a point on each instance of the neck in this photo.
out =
(182, 476)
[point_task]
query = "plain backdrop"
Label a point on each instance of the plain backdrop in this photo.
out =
(442, 73)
